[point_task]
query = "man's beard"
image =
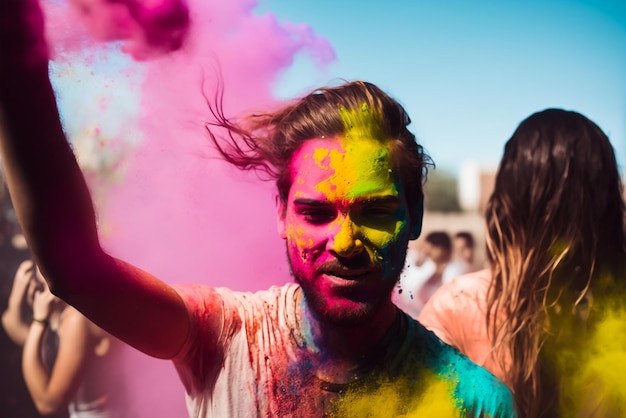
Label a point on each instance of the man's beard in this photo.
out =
(363, 308)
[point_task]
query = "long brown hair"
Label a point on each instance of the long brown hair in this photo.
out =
(555, 223)
(266, 141)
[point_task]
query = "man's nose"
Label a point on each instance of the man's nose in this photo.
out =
(346, 241)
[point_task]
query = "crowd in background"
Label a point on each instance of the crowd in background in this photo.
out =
(55, 362)
(14, 397)
(431, 261)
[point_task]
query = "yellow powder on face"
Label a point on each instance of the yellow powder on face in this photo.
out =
(361, 166)
(381, 237)
(320, 157)
(364, 165)
(300, 236)
(357, 164)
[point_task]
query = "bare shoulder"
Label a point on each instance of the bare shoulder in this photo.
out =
(461, 297)
(473, 284)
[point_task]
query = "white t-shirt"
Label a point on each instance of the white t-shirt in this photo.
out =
(261, 367)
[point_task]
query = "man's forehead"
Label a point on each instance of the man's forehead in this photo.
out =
(343, 168)
(363, 139)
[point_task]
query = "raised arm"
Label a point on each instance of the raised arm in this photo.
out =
(54, 206)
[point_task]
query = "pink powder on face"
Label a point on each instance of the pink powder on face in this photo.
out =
(177, 211)
(342, 178)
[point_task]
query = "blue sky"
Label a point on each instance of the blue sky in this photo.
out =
(469, 71)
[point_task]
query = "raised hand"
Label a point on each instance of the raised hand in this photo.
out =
(148, 27)
(17, 317)
(25, 284)
(54, 207)
(44, 304)
(22, 35)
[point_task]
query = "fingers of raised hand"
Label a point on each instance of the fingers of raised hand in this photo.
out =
(42, 304)
(24, 273)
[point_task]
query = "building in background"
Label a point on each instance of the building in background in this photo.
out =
(476, 184)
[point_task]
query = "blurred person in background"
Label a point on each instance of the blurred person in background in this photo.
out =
(549, 316)
(463, 249)
(68, 363)
(418, 283)
(15, 401)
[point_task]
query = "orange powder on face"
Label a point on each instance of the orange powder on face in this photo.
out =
(355, 166)
(362, 167)
(365, 163)
(301, 238)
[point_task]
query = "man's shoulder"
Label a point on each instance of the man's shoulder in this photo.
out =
(199, 292)
(472, 385)
(441, 357)
(276, 305)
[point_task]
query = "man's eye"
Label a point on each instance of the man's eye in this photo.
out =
(378, 212)
(318, 216)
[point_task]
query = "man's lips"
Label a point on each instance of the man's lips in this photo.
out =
(345, 278)
(348, 273)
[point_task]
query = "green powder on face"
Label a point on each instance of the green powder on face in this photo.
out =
(365, 164)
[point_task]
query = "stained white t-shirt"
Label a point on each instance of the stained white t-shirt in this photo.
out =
(261, 365)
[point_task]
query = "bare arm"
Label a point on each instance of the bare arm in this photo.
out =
(35, 374)
(52, 389)
(54, 206)
(15, 321)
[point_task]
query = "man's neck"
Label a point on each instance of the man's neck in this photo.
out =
(339, 350)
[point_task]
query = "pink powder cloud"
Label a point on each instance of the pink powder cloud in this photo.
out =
(178, 211)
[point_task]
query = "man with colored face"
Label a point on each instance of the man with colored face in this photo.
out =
(346, 224)
(349, 178)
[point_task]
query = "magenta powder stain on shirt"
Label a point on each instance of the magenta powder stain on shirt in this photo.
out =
(177, 211)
